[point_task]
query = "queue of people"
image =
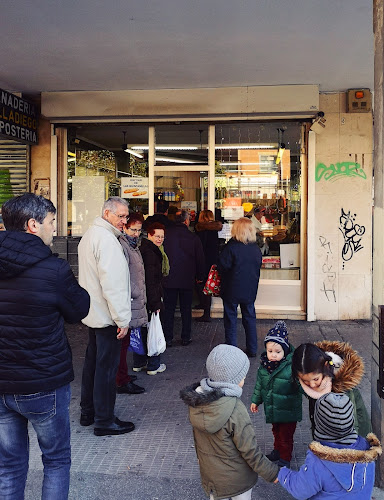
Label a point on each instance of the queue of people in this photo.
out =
(123, 281)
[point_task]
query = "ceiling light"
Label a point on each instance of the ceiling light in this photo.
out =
(131, 151)
(174, 160)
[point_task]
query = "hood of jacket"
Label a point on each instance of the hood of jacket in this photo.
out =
(213, 225)
(209, 411)
(19, 251)
(348, 464)
(351, 372)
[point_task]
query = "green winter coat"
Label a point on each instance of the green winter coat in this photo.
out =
(279, 393)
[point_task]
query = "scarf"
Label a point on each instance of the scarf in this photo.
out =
(324, 388)
(270, 366)
(132, 240)
(227, 389)
(165, 262)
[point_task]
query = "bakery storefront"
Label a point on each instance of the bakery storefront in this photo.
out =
(237, 158)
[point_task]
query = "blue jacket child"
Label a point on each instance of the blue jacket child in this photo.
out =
(339, 463)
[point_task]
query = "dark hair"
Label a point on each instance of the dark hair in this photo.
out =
(172, 210)
(133, 218)
(182, 216)
(155, 225)
(162, 206)
(308, 358)
(18, 211)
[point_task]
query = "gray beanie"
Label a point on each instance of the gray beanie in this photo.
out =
(227, 363)
(334, 420)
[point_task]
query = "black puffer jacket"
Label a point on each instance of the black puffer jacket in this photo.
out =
(153, 259)
(38, 292)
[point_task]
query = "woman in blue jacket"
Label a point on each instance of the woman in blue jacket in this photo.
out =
(339, 463)
(239, 266)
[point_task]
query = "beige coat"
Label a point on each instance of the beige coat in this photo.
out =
(103, 272)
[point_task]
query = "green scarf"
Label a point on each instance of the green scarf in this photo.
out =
(165, 263)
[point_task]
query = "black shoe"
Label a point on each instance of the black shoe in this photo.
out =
(133, 378)
(169, 343)
(284, 463)
(118, 427)
(186, 342)
(204, 319)
(274, 456)
(250, 354)
(86, 420)
(130, 388)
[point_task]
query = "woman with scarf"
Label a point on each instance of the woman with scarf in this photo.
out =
(129, 241)
(156, 265)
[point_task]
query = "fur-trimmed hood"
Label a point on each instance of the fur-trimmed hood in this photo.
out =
(351, 372)
(348, 464)
(213, 225)
(208, 411)
(348, 454)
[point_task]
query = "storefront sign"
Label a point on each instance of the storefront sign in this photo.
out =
(134, 187)
(232, 202)
(18, 118)
(232, 213)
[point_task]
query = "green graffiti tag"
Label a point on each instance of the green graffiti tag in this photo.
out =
(337, 170)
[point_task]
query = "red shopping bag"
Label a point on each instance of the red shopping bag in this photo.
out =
(212, 286)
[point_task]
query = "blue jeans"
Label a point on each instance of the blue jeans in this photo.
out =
(248, 318)
(48, 412)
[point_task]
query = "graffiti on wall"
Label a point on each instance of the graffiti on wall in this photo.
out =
(352, 234)
(337, 170)
(329, 275)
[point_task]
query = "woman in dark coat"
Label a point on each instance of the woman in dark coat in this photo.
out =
(155, 266)
(207, 229)
(239, 267)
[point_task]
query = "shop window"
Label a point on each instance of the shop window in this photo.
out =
(258, 175)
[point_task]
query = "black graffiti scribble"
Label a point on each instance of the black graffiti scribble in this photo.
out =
(329, 276)
(352, 234)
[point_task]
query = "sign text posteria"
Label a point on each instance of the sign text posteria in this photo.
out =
(18, 118)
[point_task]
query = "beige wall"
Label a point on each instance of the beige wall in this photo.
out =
(41, 156)
(343, 185)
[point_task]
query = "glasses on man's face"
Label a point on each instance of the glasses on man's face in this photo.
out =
(121, 217)
(136, 231)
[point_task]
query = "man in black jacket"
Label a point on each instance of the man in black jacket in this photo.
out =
(38, 292)
(187, 263)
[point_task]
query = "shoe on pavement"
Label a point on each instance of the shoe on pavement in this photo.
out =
(169, 343)
(204, 319)
(284, 463)
(186, 341)
(130, 388)
(86, 420)
(250, 354)
(132, 377)
(161, 369)
(118, 427)
(274, 456)
(139, 368)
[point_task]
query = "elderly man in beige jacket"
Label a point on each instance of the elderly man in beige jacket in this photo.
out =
(103, 272)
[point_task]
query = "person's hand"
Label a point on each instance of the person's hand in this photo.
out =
(276, 481)
(254, 408)
(157, 312)
(122, 332)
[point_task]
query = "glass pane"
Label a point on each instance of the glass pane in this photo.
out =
(258, 175)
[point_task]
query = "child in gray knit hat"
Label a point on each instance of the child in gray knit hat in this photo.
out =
(229, 457)
(339, 463)
(277, 390)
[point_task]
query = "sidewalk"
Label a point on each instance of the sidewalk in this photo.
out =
(157, 461)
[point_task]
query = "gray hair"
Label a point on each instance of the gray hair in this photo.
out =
(19, 210)
(112, 202)
(182, 216)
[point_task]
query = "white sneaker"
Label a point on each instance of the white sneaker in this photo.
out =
(161, 369)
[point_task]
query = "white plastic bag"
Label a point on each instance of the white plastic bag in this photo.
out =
(156, 341)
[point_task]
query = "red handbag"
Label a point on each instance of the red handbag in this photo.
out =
(212, 286)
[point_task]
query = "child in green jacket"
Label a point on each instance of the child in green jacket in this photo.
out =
(279, 393)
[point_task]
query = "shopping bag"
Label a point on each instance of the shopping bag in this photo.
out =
(212, 286)
(136, 341)
(155, 340)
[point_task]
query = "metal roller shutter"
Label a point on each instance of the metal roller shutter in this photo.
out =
(13, 169)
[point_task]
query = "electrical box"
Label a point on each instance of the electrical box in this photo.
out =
(359, 101)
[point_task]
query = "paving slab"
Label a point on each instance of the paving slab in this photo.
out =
(157, 461)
